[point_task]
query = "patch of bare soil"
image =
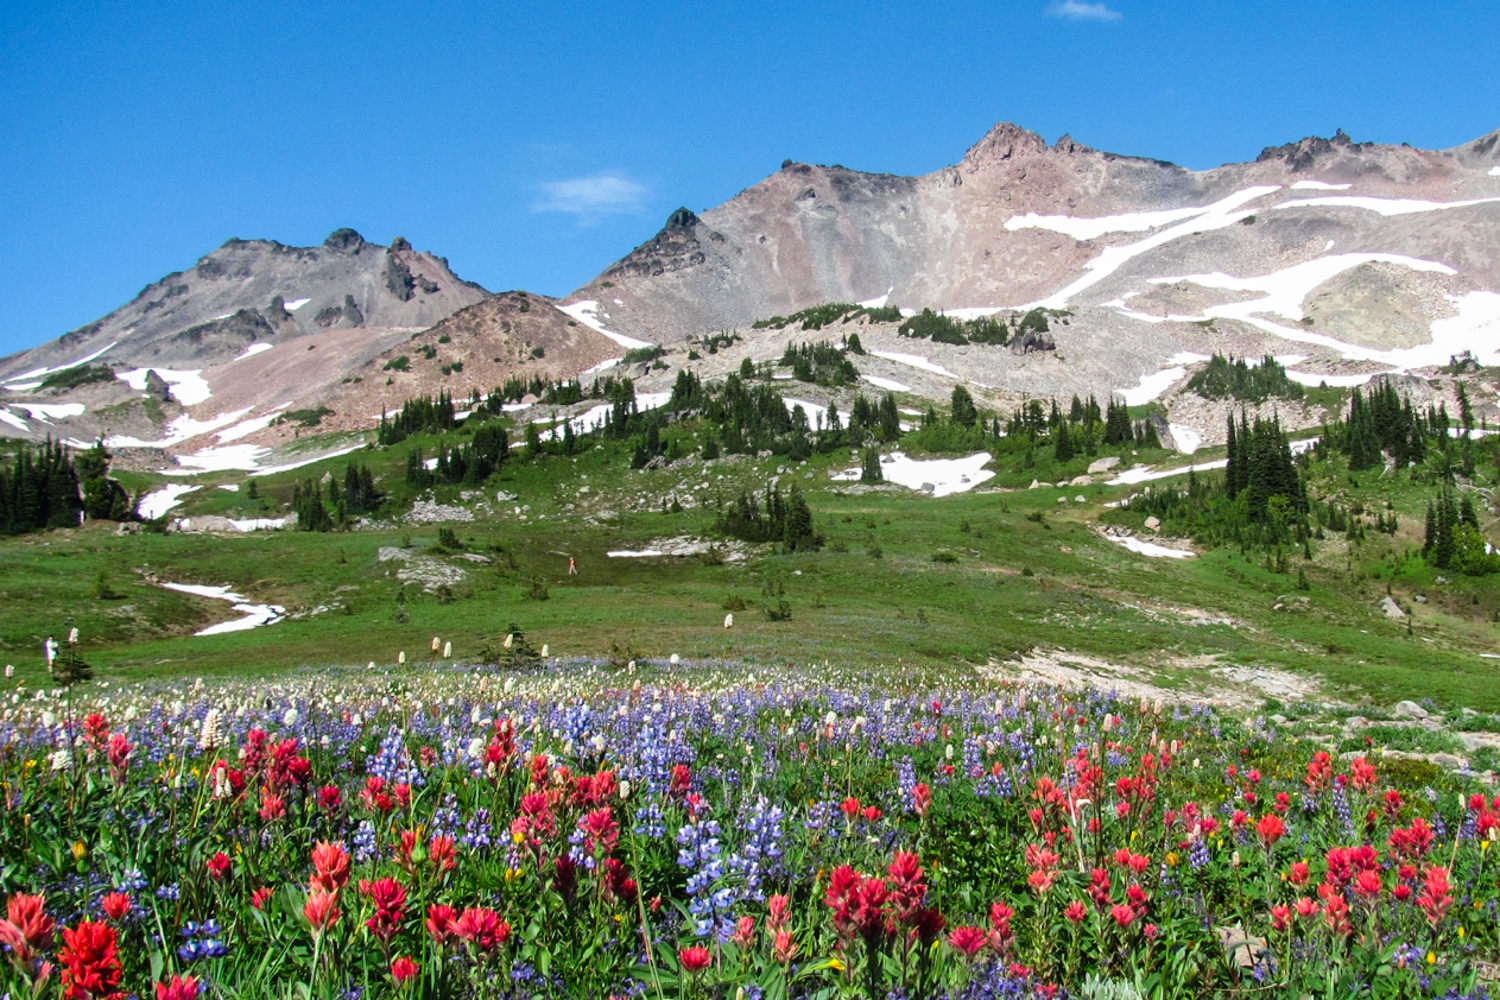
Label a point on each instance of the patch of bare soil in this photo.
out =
(1229, 686)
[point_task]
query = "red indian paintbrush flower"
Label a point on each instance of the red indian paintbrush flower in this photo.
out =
(321, 910)
(695, 959)
(967, 940)
(441, 923)
(119, 757)
(1270, 829)
(330, 867)
(180, 988)
(403, 969)
(390, 901)
(1434, 900)
(26, 929)
(483, 928)
(785, 949)
(115, 905)
(778, 911)
(218, 866)
(91, 961)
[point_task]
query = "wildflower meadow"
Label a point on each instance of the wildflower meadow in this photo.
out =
(711, 830)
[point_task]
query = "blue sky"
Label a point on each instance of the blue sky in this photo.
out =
(534, 143)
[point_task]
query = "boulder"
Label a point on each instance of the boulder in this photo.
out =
(1153, 523)
(1409, 710)
(1391, 609)
(1103, 464)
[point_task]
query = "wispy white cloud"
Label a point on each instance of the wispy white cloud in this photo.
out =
(592, 198)
(1077, 10)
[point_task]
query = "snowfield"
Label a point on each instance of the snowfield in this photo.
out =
(1151, 386)
(1151, 549)
(255, 615)
(888, 384)
(1318, 186)
(938, 476)
(253, 350)
(586, 311)
(1222, 213)
(1385, 206)
(47, 412)
(41, 373)
(187, 387)
(914, 361)
(1188, 440)
(594, 417)
(1093, 228)
(158, 502)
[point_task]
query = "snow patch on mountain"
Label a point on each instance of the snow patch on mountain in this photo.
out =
(885, 383)
(253, 350)
(47, 412)
(1142, 547)
(1310, 185)
(939, 477)
(1187, 439)
(1222, 213)
(1384, 206)
(586, 311)
(158, 502)
(44, 372)
(188, 387)
(247, 427)
(182, 428)
(1151, 386)
(914, 361)
(1093, 228)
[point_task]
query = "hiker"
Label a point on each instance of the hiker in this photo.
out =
(572, 567)
(49, 648)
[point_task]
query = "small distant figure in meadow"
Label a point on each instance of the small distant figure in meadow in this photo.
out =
(73, 636)
(572, 567)
(49, 649)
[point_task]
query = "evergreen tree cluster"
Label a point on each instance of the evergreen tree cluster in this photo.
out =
(470, 463)
(1230, 378)
(817, 317)
(318, 510)
(418, 416)
(1261, 469)
(1080, 431)
(1452, 538)
(1383, 422)
(307, 503)
(39, 489)
(103, 498)
(928, 325)
(1260, 503)
(821, 362)
(773, 517)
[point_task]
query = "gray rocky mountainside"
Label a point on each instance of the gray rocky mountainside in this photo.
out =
(237, 351)
(260, 291)
(1347, 260)
(994, 230)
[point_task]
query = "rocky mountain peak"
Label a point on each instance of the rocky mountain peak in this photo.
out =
(1303, 153)
(1004, 141)
(345, 241)
(681, 219)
